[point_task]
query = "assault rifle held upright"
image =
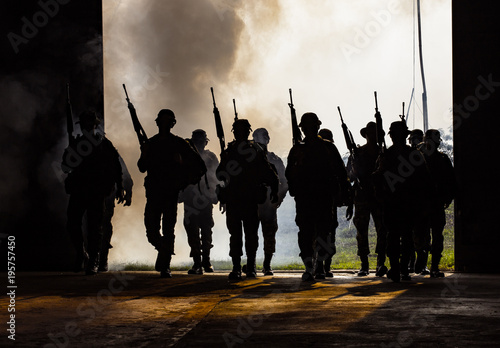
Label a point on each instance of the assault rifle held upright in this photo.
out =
(296, 134)
(235, 113)
(218, 123)
(349, 140)
(69, 117)
(380, 128)
(141, 135)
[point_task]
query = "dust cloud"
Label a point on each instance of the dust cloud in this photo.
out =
(331, 53)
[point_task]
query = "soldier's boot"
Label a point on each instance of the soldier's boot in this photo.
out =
(319, 272)
(162, 264)
(394, 273)
(103, 260)
(365, 268)
(207, 266)
(421, 263)
(251, 270)
(328, 264)
(235, 274)
(435, 272)
(82, 258)
(266, 267)
(411, 264)
(309, 263)
(381, 267)
(93, 263)
(405, 260)
(196, 269)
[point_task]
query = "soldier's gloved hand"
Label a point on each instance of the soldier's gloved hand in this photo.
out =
(222, 208)
(349, 212)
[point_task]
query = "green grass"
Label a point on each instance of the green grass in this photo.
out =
(345, 258)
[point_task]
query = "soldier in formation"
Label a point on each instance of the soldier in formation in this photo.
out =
(430, 227)
(317, 178)
(360, 167)
(94, 170)
(246, 174)
(268, 210)
(171, 165)
(198, 201)
(402, 183)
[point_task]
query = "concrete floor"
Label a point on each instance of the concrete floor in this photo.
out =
(138, 309)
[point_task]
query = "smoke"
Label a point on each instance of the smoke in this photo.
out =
(331, 53)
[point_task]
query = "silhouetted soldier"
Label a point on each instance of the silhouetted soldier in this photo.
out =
(172, 164)
(360, 168)
(246, 172)
(94, 170)
(444, 184)
(268, 210)
(401, 182)
(109, 209)
(415, 140)
(327, 135)
(198, 206)
(317, 179)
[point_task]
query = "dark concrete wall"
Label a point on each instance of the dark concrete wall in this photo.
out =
(45, 44)
(476, 98)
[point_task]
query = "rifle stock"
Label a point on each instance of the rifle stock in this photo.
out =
(141, 134)
(296, 134)
(218, 123)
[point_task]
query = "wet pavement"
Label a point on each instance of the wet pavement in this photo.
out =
(139, 309)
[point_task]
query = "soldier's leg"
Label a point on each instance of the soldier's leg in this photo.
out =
(152, 218)
(323, 242)
(75, 211)
(192, 227)
(251, 228)
(95, 213)
(305, 220)
(381, 247)
(422, 243)
(269, 229)
(361, 221)
(169, 219)
(332, 247)
(234, 226)
(206, 223)
(437, 223)
(393, 225)
(107, 232)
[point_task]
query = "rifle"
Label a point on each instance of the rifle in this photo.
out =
(69, 117)
(141, 135)
(296, 135)
(235, 113)
(218, 123)
(402, 116)
(380, 128)
(349, 140)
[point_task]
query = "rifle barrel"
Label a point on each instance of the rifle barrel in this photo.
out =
(126, 94)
